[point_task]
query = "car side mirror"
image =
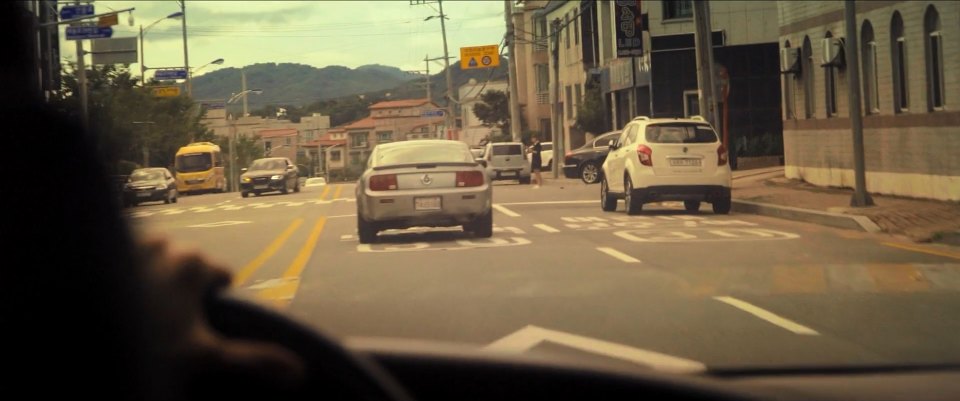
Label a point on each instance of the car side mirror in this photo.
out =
(482, 162)
(243, 170)
(614, 145)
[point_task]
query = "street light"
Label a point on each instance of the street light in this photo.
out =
(143, 69)
(217, 62)
(233, 136)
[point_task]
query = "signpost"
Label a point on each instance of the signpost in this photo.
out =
(88, 32)
(76, 11)
(166, 91)
(170, 74)
(479, 57)
(114, 51)
(432, 113)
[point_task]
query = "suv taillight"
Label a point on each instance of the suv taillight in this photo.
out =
(385, 182)
(645, 154)
(722, 156)
(469, 178)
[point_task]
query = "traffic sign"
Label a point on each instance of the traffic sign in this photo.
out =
(166, 91)
(108, 20)
(170, 74)
(431, 113)
(479, 57)
(71, 12)
(88, 32)
(114, 51)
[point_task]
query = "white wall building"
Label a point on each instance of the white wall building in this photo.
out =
(473, 130)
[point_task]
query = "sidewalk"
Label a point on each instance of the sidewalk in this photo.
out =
(920, 220)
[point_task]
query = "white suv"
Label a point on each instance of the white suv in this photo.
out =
(666, 160)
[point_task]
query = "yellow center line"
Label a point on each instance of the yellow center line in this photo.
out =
(280, 294)
(336, 195)
(271, 249)
(326, 190)
(921, 249)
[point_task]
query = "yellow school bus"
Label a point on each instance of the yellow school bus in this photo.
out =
(199, 168)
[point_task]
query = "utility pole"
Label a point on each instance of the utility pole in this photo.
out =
(512, 97)
(451, 93)
(704, 50)
(426, 61)
(82, 82)
(243, 89)
(143, 69)
(557, 115)
(186, 59)
(860, 196)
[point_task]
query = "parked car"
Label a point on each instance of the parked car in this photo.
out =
(269, 174)
(507, 161)
(150, 184)
(432, 183)
(546, 156)
(666, 160)
(585, 162)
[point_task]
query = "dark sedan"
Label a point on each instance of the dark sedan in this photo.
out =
(585, 162)
(149, 185)
(269, 174)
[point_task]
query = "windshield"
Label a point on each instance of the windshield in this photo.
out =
(146, 176)
(747, 230)
(194, 162)
(453, 152)
(267, 164)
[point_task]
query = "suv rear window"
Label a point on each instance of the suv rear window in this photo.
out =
(507, 150)
(680, 133)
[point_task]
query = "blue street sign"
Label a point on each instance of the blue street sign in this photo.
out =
(88, 32)
(432, 113)
(71, 12)
(170, 74)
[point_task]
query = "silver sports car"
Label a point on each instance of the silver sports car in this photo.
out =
(424, 183)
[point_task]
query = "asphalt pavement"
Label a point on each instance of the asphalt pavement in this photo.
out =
(668, 288)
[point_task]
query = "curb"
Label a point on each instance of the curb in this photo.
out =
(852, 222)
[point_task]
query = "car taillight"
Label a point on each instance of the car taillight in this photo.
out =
(469, 178)
(645, 154)
(385, 182)
(722, 156)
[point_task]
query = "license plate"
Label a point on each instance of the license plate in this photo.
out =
(430, 203)
(143, 194)
(685, 162)
(508, 173)
(259, 187)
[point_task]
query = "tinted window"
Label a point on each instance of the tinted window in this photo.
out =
(267, 164)
(146, 176)
(605, 140)
(424, 153)
(192, 162)
(507, 150)
(680, 133)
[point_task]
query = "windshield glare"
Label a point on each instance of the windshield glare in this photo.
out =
(146, 176)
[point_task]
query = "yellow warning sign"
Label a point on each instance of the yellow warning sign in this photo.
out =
(479, 57)
(166, 91)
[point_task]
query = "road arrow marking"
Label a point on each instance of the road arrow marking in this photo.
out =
(530, 336)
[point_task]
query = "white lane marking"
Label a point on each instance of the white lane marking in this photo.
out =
(513, 230)
(689, 224)
(549, 203)
(665, 218)
(583, 219)
(530, 336)
(770, 317)
(619, 255)
(505, 211)
(546, 228)
(723, 233)
(341, 215)
(219, 224)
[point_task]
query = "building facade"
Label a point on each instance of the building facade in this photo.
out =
(910, 87)
(533, 69)
(389, 121)
(472, 132)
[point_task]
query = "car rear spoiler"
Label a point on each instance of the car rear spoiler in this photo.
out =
(426, 165)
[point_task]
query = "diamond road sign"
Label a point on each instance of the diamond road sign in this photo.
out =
(71, 12)
(170, 74)
(88, 32)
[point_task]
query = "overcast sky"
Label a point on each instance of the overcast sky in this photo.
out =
(317, 33)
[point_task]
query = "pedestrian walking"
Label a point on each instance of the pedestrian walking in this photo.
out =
(535, 161)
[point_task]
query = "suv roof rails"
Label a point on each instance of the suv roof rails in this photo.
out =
(641, 118)
(697, 118)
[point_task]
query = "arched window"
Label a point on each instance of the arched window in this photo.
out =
(789, 106)
(830, 84)
(808, 101)
(868, 48)
(933, 44)
(898, 53)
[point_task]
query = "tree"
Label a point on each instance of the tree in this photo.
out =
(591, 116)
(494, 110)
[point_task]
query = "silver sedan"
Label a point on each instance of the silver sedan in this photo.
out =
(424, 183)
